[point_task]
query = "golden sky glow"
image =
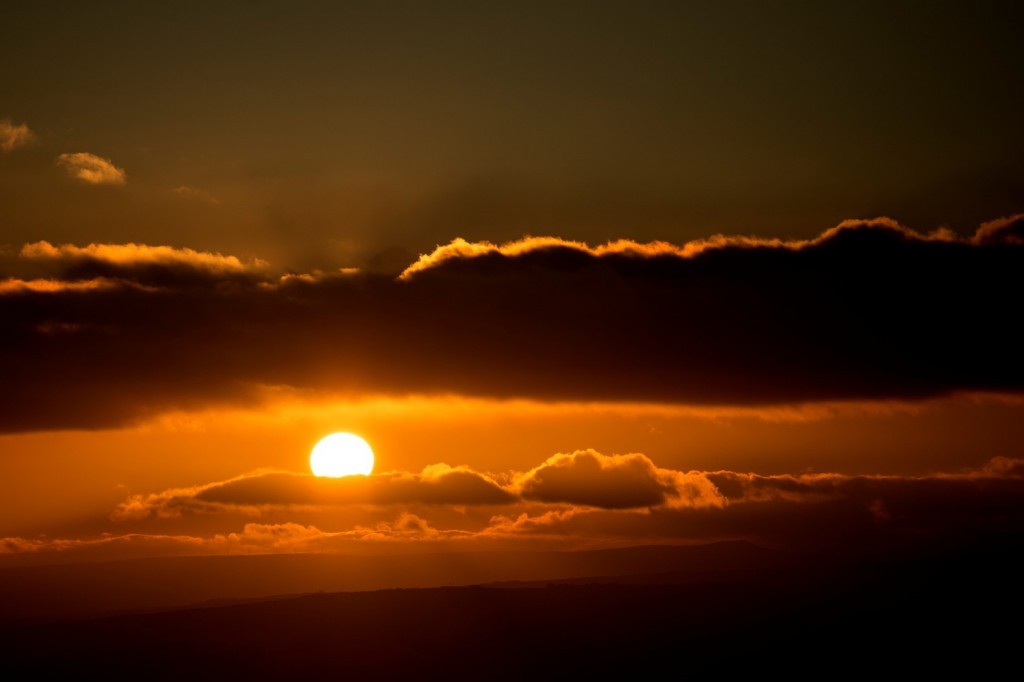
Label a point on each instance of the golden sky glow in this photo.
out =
(103, 469)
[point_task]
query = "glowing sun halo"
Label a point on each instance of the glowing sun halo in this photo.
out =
(341, 454)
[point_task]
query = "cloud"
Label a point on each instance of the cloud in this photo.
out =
(1003, 467)
(831, 510)
(867, 311)
(275, 537)
(460, 251)
(503, 525)
(15, 285)
(196, 194)
(622, 497)
(1008, 230)
(13, 136)
(134, 264)
(127, 544)
(585, 499)
(258, 537)
(438, 484)
(589, 478)
(406, 528)
(92, 169)
(253, 538)
(585, 478)
(295, 537)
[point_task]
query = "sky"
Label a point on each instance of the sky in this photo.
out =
(582, 274)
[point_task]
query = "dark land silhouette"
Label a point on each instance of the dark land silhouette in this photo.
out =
(32, 594)
(734, 609)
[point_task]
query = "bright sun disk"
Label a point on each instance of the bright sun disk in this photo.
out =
(341, 454)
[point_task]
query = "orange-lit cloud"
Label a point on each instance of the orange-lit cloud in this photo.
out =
(866, 312)
(13, 285)
(92, 169)
(581, 480)
(281, 536)
(405, 528)
(437, 484)
(462, 250)
(135, 543)
(139, 266)
(830, 509)
(1008, 230)
(525, 524)
(591, 479)
(136, 255)
(292, 537)
(13, 136)
(258, 538)
(592, 499)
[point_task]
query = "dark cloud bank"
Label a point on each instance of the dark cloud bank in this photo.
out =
(104, 335)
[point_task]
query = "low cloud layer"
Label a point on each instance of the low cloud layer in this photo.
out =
(259, 537)
(614, 482)
(92, 169)
(436, 485)
(103, 335)
(831, 510)
(571, 500)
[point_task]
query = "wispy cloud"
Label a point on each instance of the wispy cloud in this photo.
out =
(128, 256)
(92, 169)
(196, 194)
(13, 136)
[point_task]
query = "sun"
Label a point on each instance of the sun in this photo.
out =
(341, 454)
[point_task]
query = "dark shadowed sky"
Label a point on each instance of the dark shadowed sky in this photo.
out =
(325, 134)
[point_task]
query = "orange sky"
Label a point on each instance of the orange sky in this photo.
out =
(204, 380)
(583, 275)
(69, 483)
